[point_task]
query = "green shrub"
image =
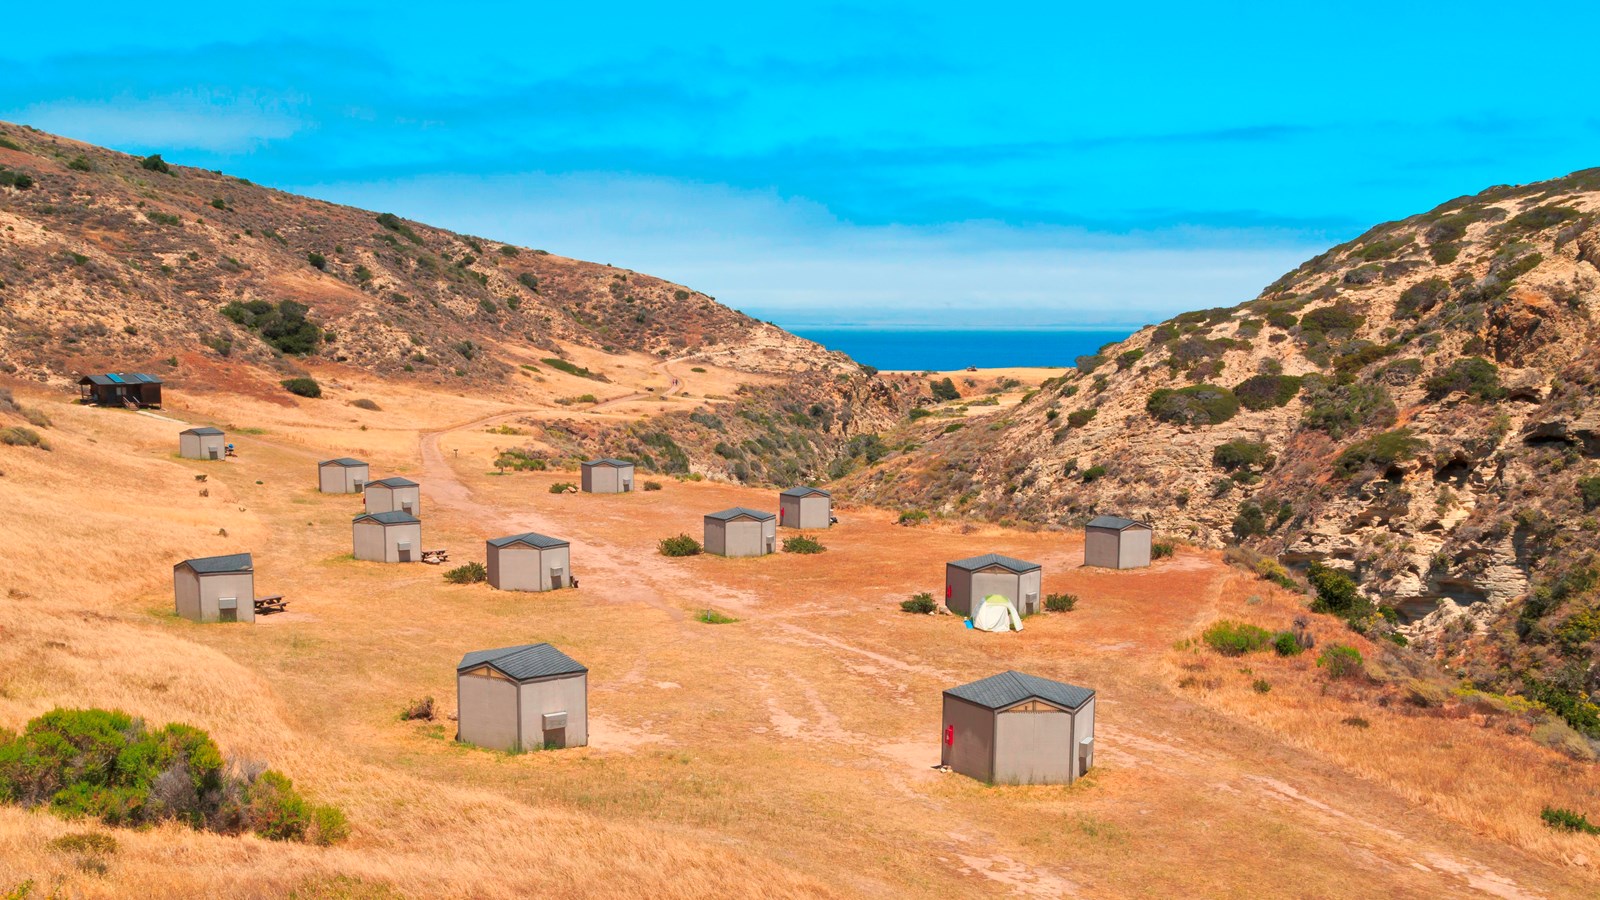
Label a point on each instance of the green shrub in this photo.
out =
(1235, 638)
(364, 403)
(1093, 473)
(1087, 364)
(1339, 409)
(304, 387)
(1286, 644)
(1473, 374)
(1260, 392)
(919, 413)
(418, 710)
(1261, 685)
(919, 603)
(944, 390)
(1081, 417)
(393, 223)
(1568, 820)
(529, 281)
(1126, 359)
(1242, 454)
(912, 517)
(570, 368)
(22, 436)
(1060, 602)
(155, 163)
(1162, 549)
(328, 826)
(284, 326)
(1250, 522)
(1197, 404)
(317, 260)
(1541, 218)
(679, 545)
(161, 218)
(1379, 451)
(652, 485)
(802, 544)
(278, 813)
(1329, 323)
(712, 617)
(471, 573)
(1589, 490)
(19, 180)
(562, 487)
(1336, 592)
(1341, 661)
(1420, 298)
(519, 460)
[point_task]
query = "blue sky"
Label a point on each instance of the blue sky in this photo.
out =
(1061, 164)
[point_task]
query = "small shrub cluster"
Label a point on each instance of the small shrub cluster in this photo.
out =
(919, 603)
(562, 487)
(1341, 661)
(107, 765)
(912, 517)
(1473, 375)
(652, 485)
(1266, 391)
(304, 386)
(1379, 452)
(1060, 602)
(394, 224)
(802, 544)
(1339, 409)
(14, 179)
(944, 390)
(1162, 549)
(570, 368)
(22, 436)
(418, 710)
(679, 545)
(1589, 490)
(1081, 417)
(1568, 820)
(1235, 638)
(471, 573)
(155, 163)
(712, 617)
(1242, 454)
(283, 326)
(1197, 404)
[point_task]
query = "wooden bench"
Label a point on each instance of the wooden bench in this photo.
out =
(435, 557)
(268, 605)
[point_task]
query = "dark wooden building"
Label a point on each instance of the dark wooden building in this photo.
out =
(134, 389)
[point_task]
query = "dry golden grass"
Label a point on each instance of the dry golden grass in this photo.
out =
(788, 753)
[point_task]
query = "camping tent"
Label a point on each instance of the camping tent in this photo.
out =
(996, 614)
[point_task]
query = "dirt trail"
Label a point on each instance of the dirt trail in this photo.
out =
(672, 389)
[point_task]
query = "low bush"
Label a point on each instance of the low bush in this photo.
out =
(394, 224)
(1081, 417)
(1242, 454)
(304, 387)
(1261, 685)
(679, 545)
(13, 179)
(1568, 820)
(22, 436)
(1341, 661)
(919, 413)
(471, 573)
(328, 826)
(1197, 404)
(1337, 593)
(802, 544)
(652, 485)
(1260, 392)
(284, 326)
(1379, 452)
(944, 390)
(1093, 474)
(919, 603)
(1235, 638)
(1286, 644)
(1589, 490)
(562, 487)
(1355, 722)
(912, 517)
(364, 403)
(712, 617)
(520, 460)
(1418, 299)
(1339, 409)
(107, 765)
(570, 368)
(1473, 375)
(1162, 549)
(317, 260)
(418, 710)
(1060, 602)
(155, 163)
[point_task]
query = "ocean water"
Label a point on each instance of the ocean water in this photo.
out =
(943, 350)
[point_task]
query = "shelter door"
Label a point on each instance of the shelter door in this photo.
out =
(555, 738)
(558, 577)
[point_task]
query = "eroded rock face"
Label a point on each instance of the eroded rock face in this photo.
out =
(1521, 325)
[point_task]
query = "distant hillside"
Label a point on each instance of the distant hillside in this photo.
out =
(1417, 407)
(107, 260)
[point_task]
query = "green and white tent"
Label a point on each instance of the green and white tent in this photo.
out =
(996, 613)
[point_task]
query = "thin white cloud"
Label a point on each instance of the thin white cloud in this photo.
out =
(790, 260)
(190, 120)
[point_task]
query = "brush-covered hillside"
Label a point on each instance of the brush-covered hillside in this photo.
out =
(112, 261)
(1417, 407)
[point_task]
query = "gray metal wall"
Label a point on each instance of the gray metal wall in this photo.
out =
(606, 479)
(1083, 728)
(341, 479)
(716, 536)
(1135, 548)
(520, 567)
(486, 710)
(200, 446)
(972, 752)
(377, 542)
(805, 512)
(197, 597)
(1034, 748)
(1113, 549)
(958, 590)
(563, 693)
(742, 537)
(382, 498)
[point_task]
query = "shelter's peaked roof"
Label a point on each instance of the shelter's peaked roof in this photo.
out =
(1011, 688)
(531, 538)
(1117, 522)
(524, 661)
(740, 512)
(342, 461)
(203, 429)
(608, 461)
(212, 565)
(994, 559)
(393, 481)
(120, 378)
(804, 492)
(393, 517)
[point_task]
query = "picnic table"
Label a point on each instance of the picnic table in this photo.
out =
(435, 557)
(273, 603)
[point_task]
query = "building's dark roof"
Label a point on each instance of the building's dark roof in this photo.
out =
(608, 461)
(393, 517)
(543, 542)
(216, 565)
(120, 378)
(393, 481)
(994, 559)
(203, 429)
(739, 512)
(805, 492)
(524, 662)
(344, 461)
(1010, 688)
(1117, 522)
